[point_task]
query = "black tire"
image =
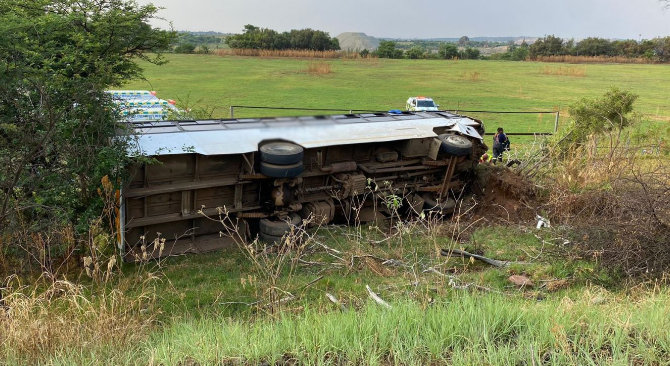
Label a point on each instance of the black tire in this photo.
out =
(281, 153)
(445, 206)
(270, 239)
(278, 228)
(282, 171)
(456, 145)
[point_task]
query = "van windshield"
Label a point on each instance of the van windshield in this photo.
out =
(425, 103)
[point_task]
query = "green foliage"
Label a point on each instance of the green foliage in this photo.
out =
(657, 48)
(547, 46)
(514, 53)
(448, 51)
(185, 48)
(414, 53)
(662, 48)
(591, 117)
(470, 54)
(267, 39)
(57, 125)
(594, 46)
(387, 49)
(198, 39)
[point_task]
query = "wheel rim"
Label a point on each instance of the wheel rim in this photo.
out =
(457, 140)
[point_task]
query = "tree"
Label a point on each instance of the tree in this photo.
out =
(387, 49)
(414, 53)
(448, 51)
(610, 112)
(547, 46)
(267, 39)
(470, 54)
(59, 133)
(519, 54)
(464, 41)
(594, 46)
(662, 48)
(185, 48)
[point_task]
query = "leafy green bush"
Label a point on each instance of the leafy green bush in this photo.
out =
(414, 53)
(58, 127)
(185, 48)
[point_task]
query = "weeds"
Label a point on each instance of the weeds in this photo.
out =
(564, 71)
(594, 59)
(473, 76)
(65, 318)
(319, 68)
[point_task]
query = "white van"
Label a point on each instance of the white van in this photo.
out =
(421, 104)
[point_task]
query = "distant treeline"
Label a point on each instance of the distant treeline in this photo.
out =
(657, 49)
(200, 42)
(198, 39)
(390, 49)
(297, 39)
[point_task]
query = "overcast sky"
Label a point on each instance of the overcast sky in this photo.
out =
(427, 19)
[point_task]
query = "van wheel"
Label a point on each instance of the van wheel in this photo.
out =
(456, 145)
(279, 228)
(281, 153)
(282, 171)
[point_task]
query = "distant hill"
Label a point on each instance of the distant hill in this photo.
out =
(353, 41)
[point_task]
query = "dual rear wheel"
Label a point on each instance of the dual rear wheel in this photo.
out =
(281, 160)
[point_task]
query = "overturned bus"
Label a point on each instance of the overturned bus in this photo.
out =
(266, 174)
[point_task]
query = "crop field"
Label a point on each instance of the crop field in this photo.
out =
(381, 84)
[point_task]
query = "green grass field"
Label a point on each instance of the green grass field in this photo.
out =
(383, 84)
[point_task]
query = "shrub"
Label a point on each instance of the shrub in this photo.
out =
(185, 48)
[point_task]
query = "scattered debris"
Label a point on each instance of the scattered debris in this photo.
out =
(376, 298)
(493, 262)
(542, 222)
(455, 282)
(335, 301)
(520, 281)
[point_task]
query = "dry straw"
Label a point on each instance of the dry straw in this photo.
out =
(575, 71)
(289, 53)
(594, 59)
(319, 68)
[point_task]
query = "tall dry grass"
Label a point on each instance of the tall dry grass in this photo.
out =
(319, 68)
(38, 323)
(611, 191)
(594, 59)
(289, 53)
(575, 71)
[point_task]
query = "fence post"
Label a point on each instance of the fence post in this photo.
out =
(232, 112)
(556, 122)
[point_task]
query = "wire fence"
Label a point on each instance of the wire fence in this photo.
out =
(517, 123)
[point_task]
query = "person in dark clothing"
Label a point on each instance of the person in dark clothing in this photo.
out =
(500, 144)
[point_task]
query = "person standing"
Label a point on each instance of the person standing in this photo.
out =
(500, 144)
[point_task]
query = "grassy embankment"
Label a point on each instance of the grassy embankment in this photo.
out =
(195, 315)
